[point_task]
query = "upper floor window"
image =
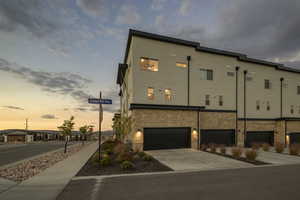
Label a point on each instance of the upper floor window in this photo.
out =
(292, 109)
(207, 102)
(298, 89)
(149, 64)
(230, 73)
(267, 84)
(168, 94)
(268, 106)
(257, 105)
(206, 74)
(220, 100)
(182, 65)
(150, 93)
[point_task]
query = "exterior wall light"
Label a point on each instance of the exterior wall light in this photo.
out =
(138, 133)
(287, 138)
(194, 133)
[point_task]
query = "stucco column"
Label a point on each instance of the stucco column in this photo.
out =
(240, 132)
(279, 133)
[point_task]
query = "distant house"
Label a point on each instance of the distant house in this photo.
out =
(18, 136)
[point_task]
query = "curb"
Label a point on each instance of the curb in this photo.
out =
(32, 158)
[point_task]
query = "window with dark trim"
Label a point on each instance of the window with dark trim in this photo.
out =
(292, 109)
(267, 84)
(207, 102)
(206, 74)
(268, 106)
(149, 64)
(257, 105)
(220, 100)
(298, 89)
(150, 93)
(230, 73)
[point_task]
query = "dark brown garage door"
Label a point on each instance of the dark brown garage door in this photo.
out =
(226, 137)
(167, 138)
(259, 137)
(294, 138)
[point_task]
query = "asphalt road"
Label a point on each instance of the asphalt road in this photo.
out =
(14, 153)
(276, 182)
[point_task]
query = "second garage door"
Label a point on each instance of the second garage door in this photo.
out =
(226, 137)
(259, 137)
(294, 138)
(166, 138)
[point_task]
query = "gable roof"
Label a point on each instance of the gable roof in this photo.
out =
(198, 47)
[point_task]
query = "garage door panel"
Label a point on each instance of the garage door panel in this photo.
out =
(294, 138)
(259, 137)
(166, 138)
(226, 137)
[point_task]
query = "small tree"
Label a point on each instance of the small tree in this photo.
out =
(66, 130)
(122, 127)
(85, 130)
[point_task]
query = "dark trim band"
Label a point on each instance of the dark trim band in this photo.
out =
(215, 110)
(164, 107)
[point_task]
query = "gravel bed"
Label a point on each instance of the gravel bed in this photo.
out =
(30, 168)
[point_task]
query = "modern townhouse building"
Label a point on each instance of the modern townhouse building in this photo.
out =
(181, 94)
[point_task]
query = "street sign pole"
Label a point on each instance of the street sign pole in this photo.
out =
(100, 120)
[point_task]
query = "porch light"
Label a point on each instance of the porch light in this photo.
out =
(139, 133)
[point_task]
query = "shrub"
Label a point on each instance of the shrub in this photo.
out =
(136, 157)
(119, 148)
(236, 152)
(213, 147)
(255, 146)
(279, 147)
(266, 146)
(294, 149)
(147, 158)
(127, 165)
(203, 147)
(105, 161)
(126, 156)
(223, 149)
(141, 154)
(251, 154)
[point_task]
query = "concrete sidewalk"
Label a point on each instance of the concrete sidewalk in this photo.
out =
(48, 184)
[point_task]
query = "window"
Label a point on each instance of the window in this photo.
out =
(150, 93)
(149, 64)
(292, 109)
(168, 94)
(267, 84)
(220, 100)
(257, 105)
(298, 89)
(207, 102)
(268, 106)
(182, 65)
(230, 73)
(249, 78)
(206, 74)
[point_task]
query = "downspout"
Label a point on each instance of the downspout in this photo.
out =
(281, 84)
(198, 128)
(188, 80)
(236, 104)
(245, 131)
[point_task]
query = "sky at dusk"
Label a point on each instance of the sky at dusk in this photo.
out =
(54, 54)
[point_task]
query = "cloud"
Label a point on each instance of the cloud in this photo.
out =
(128, 15)
(185, 7)
(13, 107)
(158, 4)
(81, 109)
(29, 14)
(93, 7)
(64, 83)
(48, 116)
(267, 28)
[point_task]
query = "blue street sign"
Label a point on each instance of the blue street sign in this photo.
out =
(99, 101)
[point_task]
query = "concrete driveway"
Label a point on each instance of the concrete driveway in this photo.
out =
(277, 158)
(189, 159)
